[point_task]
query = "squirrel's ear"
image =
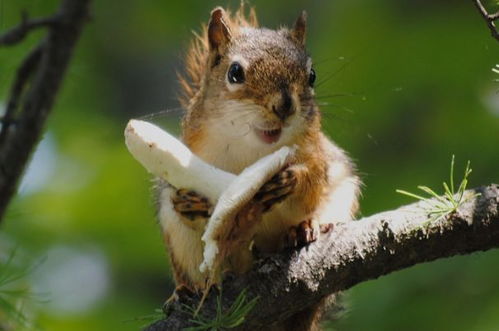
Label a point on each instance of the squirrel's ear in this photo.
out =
(218, 29)
(300, 28)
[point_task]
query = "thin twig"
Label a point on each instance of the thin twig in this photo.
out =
(24, 73)
(489, 18)
(494, 17)
(18, 33)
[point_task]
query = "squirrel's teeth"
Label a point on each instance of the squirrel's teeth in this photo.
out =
(271, 132)
(269, 136)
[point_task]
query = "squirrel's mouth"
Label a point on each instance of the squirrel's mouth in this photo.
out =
(269, 136)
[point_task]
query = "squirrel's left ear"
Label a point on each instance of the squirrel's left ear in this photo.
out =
(298, 32)
(218, 29)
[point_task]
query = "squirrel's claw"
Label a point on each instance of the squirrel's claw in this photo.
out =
(282, 179)
(191, 204)
(179, 291)
(304, 233)
(325, 228)
(277, 188)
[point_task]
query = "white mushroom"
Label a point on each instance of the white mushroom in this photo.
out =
(165, 156)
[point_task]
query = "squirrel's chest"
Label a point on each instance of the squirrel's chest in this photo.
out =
(229, 150)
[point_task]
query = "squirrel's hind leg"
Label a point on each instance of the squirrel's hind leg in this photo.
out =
(183, 239)
(306, 232)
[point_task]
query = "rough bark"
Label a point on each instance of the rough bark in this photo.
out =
(35, 88)
(351, 253)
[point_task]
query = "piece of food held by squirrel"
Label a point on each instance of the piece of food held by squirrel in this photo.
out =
(249, 100)
(165, 156)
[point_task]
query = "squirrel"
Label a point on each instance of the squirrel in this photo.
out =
(249, 91)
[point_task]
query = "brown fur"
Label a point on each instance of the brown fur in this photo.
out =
(221, 126)
(196, 56)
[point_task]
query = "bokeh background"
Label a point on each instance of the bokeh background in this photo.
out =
(403, 86)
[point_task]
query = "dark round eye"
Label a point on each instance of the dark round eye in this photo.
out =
(311, 78)
(235, 75)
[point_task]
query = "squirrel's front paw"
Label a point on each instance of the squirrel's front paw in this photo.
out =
(277, 188)
(191, 204)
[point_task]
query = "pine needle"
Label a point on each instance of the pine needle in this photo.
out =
(233, 317)
(13, 291)
(145, 320)
(440, 206)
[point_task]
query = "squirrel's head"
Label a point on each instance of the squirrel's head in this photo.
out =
(258, 82)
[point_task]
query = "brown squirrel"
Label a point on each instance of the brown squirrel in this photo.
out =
(250, 91)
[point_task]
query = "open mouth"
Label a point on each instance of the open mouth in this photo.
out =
(269, 136)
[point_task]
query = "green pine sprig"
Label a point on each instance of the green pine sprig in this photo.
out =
(440, 206)
(14, 292)
(233, 317)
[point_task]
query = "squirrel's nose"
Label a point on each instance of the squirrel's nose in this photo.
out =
(283, 108)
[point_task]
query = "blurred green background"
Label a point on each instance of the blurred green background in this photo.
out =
(404, 85)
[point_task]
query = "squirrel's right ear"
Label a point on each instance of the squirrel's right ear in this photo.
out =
(218, 29)
(300, 28)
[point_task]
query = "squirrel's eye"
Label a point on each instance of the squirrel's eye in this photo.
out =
(235, 75)
(311, 78)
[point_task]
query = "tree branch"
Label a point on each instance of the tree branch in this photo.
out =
(489, 18)
(352, 253)
(24, 73)
(18, 33)
(33, 93)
